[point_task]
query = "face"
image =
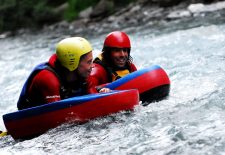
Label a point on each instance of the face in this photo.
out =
(85, 66)
(119, 56)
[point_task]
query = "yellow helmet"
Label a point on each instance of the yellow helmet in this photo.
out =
(70, 50)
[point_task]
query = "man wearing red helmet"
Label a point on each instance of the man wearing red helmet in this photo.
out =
(113, 63)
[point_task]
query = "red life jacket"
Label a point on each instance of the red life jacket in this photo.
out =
(44, 85)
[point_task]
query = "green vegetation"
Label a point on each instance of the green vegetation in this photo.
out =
(75, 6)
(24, 13)
(15, 14)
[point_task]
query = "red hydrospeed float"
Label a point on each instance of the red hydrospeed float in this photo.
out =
(151, 84)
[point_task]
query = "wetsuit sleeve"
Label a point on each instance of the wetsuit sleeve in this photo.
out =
(47, 85)
(97, 77)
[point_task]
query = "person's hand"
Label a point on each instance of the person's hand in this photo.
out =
(104, 90)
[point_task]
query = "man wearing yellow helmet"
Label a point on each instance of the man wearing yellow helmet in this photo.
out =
(63, 76)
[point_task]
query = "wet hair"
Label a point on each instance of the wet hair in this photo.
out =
(83, 56)
(106, 54)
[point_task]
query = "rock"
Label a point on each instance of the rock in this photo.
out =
(194, 8)
(179, 14)
(60, 9)
(86, 13)
(5, 34)
(199, 7)
(80, 22)
(103, 8)
(59, 25)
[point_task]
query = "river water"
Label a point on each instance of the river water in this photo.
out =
(190, 121)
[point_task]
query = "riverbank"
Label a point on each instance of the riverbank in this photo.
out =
(137, 16)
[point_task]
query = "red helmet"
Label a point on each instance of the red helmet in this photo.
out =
(117, 39)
